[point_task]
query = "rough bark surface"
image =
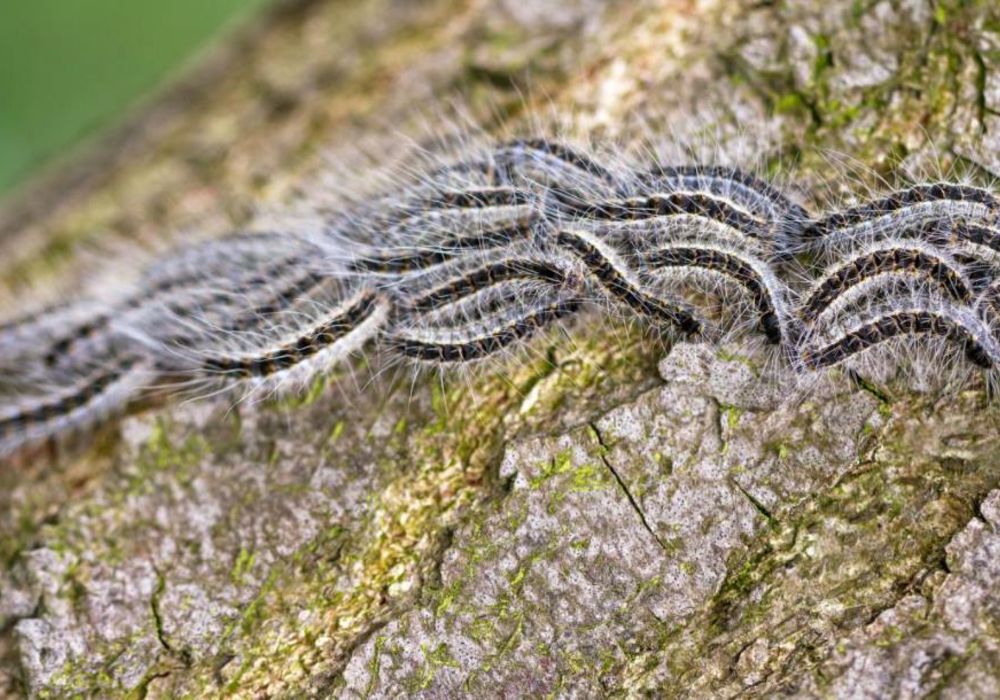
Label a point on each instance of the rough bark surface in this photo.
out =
(604, 515)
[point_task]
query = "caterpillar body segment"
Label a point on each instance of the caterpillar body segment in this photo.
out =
(23, 340)
(290, 355)
(417, 255)
(946, 198)
(211, 274)
(465, 283)
(778, 220)
(655, 206)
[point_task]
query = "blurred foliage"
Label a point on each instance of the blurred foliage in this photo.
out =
(69, 67)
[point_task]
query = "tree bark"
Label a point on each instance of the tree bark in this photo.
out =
(606, 514)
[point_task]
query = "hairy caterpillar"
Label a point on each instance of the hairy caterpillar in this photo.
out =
(951, 323)
(487, 275)
(743, 189)
(409, 259)
(471, 257)
(883, 259)
(922, 207)
(552, 164)
(466, 345)
(658, 205)
(283, 355)
(80, 405)
(769, 295)
(620, 283)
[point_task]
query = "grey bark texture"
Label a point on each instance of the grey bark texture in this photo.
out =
(605, 514)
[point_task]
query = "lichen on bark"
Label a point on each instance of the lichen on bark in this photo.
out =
(604, 514)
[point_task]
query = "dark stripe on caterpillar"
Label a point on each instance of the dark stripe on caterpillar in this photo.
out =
(895, 324)
(720, 180)
(478, 198)
(485, 276)
(669, 204)
(896, 201)
(48, 409)
(320, 335)
(484, 344)
(509, 154)
(405, 260)
(87, 329)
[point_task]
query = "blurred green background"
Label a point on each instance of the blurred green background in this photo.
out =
(69, 67)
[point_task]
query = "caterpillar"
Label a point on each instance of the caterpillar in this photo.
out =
(467, 345)
(662, 205)
(231, 267)
(549, 163)
(395, 262)
(893, 259)
(767, 292)
(619, 283)
(742, 188)
(320, 342)
(67, 410)
(485, 276)
(920, 207)
(953, 324)
(469, 258)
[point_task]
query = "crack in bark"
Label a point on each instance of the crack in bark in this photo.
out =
(624, 488)
(142, 690)
(154, 605)
(758, 506)
(716, 422)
